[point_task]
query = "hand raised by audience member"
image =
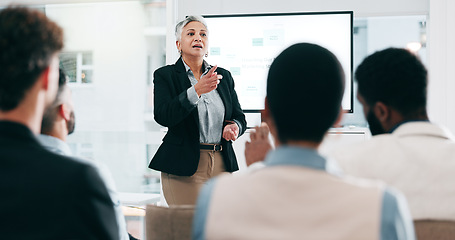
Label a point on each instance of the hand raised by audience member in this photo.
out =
(259, 145)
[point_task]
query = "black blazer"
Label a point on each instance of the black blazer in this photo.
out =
(179, 152)
(48, 196)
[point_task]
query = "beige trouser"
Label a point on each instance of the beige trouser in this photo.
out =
(184, 190)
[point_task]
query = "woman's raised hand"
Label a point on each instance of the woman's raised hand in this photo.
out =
(208, 82)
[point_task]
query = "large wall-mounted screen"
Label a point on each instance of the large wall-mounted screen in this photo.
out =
(247, 44)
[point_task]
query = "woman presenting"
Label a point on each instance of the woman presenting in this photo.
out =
(198, 104)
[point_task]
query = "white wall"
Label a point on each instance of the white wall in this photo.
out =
(361, 8)
(392, 32)
(441, 57)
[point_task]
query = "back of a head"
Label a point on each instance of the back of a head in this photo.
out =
(28, 40)
(395, 77)
(305, 87)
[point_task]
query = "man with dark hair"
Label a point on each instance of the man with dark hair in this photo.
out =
(407, 151)
(44, 195)
(392, 82)
(58, 119)
(58, 123)
(299, 194)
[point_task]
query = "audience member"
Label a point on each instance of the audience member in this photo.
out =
(44, 195)
(299, 194)
(58, 123)
(407, 151)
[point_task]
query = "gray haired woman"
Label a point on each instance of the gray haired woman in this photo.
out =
(198, 104)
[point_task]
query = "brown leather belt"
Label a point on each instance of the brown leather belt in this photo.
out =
(213, 147)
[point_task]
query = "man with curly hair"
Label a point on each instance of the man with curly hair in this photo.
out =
(44, 195)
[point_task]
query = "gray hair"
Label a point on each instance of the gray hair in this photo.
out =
(179, 27)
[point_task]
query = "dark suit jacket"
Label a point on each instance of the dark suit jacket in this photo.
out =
(179, 152)
(48, 196)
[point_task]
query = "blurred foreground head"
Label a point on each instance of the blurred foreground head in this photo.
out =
(305, 87)
(29, 44)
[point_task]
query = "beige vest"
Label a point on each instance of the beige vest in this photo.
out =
(418, 159)
(287, 202)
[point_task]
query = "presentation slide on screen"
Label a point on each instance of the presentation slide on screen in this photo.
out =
(247, 45)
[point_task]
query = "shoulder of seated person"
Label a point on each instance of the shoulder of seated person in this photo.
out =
(364, 147)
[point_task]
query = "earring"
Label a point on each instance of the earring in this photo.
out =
(206, 54)
(180, 52)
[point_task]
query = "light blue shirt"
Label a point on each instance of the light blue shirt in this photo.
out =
(210, 109)
(396, 221)
(58, 146)
(55, 145)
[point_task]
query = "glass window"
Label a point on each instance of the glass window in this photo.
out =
(87, 58)
(78, 66)
(68, 61)
(111, 51)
